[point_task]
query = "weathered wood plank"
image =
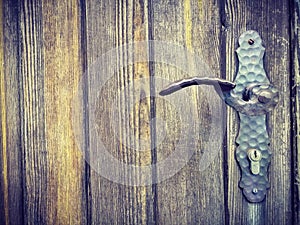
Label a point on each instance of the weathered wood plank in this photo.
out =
(42, 50)
(3, 149)
(11, 150)
(123, 111)
(33, 115)
(271, 20)
(190, 196)
(62, 63)
(295, 32)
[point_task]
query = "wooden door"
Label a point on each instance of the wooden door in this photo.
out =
(52, 52)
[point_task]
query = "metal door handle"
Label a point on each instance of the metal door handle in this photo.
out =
(252, 95)
(220, 85)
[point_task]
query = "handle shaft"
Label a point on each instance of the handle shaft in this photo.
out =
(219, 84)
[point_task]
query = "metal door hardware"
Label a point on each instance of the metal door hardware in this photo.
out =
(255, 158)
(252, 95)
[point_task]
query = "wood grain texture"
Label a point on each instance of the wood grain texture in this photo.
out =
(49, 50)
(62, 70)
(11, 144)
(42, 179)
(123, 110)
(190, 196)
(295, 41)
(263, 17)
(33, 114)
(3, 149)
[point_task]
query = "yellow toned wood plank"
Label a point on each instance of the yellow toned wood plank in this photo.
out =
(11, 145)
(271, 21)
(62, 71)
(189, 196)
(188, 24)
(145, 195)
(123, 110)
(4, 219)
(35, 179)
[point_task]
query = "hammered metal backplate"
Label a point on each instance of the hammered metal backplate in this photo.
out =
(252, 132)
(252, 96)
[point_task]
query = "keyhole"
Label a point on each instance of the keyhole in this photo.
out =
(255, 154)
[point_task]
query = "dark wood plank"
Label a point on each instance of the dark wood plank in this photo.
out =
(189, 196)
(295, 41)
(43, 172)
(62, 70)
(33, 115)
(271, 20)
(122, 117)
(11, 150)
(3, 149)
(42, 50)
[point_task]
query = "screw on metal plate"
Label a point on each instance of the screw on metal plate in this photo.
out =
(252, 95)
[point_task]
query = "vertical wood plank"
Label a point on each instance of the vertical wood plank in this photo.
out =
(271, 20)
(190, 196)
(62, 70)
(11, 147)
(123, 110)
(33, 115)
(295, 41)
(3, 149)
(43, 177)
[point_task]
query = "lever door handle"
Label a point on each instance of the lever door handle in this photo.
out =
(252, 95)
(220, 85)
